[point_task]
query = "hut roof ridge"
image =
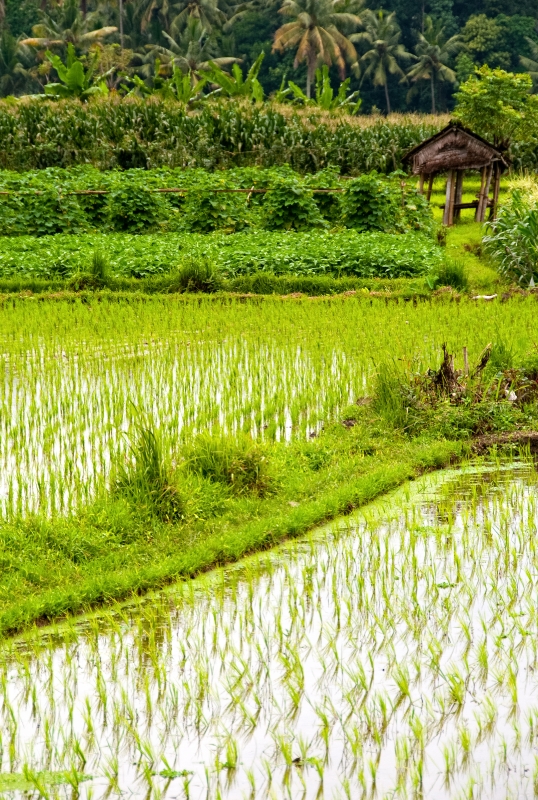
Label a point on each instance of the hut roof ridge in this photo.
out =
(453, 125)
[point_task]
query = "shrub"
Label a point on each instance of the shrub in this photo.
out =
(512, 241)
(134, 209)
(413, 210)
(46, 212)
(375, 203)
(237, 462)
(289, 205)
(366, 204)
(206, 209)
(327, 202)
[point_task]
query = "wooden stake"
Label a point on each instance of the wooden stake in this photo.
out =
(465, 361)
(483, 200)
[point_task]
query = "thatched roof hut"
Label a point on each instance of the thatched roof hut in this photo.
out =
(455, 150)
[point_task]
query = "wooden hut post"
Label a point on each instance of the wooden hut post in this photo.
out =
(484, 193)
(430, 187)
(480, 194)
(496, 189)
(458, 194)
(448, 217)
(421, 183)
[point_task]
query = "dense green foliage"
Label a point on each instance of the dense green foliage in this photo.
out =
(140, 133)
(434, 46)
(235, 255)
(137, 201)
(497, 105)
(512, 239)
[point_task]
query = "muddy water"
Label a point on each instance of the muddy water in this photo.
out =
(390, 655)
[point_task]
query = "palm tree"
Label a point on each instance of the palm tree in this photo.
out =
(192, 50)
(70, 28)
(531, 64)
(317, 33)
(151, 10)
(433, 51)
(16, 60)
(206, 11)
(382, 40)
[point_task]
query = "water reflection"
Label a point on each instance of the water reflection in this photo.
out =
(393, 656)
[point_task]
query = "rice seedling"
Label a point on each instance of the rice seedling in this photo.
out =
(72, 374)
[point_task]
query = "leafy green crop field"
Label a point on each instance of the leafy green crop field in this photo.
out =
(346, 253)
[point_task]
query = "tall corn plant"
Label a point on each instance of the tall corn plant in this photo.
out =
(513, 240)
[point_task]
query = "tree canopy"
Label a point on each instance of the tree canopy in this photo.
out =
(407, 56)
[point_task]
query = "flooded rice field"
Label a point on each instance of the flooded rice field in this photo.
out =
(390, 655)
(74, 374)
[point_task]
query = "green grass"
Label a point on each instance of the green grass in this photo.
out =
(464, 239)
(464, 244)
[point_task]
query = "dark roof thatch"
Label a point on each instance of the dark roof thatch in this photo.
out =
(455, 147)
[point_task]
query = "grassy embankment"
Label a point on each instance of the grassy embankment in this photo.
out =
(463, 242)
(194, 507)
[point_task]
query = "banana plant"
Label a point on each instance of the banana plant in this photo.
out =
(235, 85)
(75, 80)
(178, 87)
(181, 88)
(325, 97)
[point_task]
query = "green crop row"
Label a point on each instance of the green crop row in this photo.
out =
(84, 200)
(346, 253)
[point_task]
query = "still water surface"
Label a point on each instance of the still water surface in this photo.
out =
(393, 654)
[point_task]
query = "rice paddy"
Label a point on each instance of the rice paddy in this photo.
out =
(75, 374)
(393, 655)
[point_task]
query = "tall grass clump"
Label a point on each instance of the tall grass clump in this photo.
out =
(389, 395)
(238, 462)
(450, 273)
(98, 274)
(196, 275)
(146, 479)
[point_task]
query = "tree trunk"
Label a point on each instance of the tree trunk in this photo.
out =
(84, 7)
(433, 93)
(387, 99)
(308, 82)
(121, 22)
